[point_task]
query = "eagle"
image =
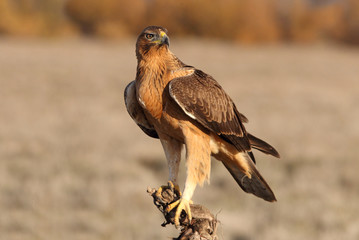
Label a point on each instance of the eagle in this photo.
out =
(183, 106)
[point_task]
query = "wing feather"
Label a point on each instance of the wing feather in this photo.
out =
(255, 184)
(262, 146)
(136, 112)
(203, 99)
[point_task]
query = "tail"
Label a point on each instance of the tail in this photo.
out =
(254, 183)
(262, 146)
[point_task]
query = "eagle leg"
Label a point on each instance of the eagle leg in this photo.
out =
(172, 148)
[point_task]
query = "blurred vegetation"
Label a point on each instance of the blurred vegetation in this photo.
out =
(245, 21)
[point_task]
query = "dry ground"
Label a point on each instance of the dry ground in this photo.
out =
(74, 166)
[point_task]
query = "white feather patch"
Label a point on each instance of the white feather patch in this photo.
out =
(142, 103)
(213, 145)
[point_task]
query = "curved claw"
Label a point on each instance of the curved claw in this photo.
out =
(160, 190)
(182, 204)
(173, 186)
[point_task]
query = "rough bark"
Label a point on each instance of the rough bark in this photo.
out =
(203, 225)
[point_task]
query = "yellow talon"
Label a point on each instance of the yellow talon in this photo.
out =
(171, 185)
(160, 190)
(182, 204)
(176, 187)
(172, 205)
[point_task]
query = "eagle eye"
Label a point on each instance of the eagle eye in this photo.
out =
(149, 36)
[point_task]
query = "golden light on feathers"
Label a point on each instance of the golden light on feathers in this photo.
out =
(183, 106)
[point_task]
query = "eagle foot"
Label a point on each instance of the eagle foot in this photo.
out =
(173, 188)
(182, 205)
(203, 222)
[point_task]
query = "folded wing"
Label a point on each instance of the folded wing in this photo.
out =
(203, 99)
(136, 111)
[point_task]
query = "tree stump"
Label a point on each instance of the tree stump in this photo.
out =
(203, 225)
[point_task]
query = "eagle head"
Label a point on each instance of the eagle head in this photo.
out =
(151, 38)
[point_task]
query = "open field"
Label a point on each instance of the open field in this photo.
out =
(74, 166)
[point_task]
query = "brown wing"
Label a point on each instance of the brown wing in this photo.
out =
(262, 146)
(136, 111)
(203, 99)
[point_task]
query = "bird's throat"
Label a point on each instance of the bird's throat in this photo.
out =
(151, 80)
(154, 72)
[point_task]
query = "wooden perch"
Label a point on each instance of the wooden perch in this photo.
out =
(203, 225)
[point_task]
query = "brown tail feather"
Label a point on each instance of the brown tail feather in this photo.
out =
(255, 185)
(262, 146)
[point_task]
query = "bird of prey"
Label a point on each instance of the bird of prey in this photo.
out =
(182, 105)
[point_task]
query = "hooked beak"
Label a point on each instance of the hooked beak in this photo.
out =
(164, 38)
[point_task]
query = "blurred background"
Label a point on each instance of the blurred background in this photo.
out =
(241, 21)
(73, 165)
